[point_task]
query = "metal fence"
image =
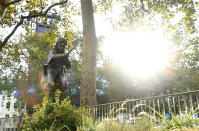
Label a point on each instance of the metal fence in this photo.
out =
(165, 104)
(9, 124)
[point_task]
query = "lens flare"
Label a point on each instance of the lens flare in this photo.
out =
(16, 93)
(31, 90)
(140, 54)
(31, 95)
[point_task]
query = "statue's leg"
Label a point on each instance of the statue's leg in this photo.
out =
(62, 82)
(51, 79)
(51, 76)
(62, 86)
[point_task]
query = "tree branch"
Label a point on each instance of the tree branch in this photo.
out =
(143, 7)
(14, 2)
(8, 37)
(5, 4)
(45, 12)
(2, 44)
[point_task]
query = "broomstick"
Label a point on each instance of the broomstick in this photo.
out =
(45, 66)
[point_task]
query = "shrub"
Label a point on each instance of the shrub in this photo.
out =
(56, 115)
(112, 124)
(188, 119)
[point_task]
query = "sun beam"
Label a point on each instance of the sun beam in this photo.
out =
(140, 54)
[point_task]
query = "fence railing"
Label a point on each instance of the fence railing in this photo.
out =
(176, 103)
(9, 124)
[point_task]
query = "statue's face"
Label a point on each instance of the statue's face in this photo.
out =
(61, 46)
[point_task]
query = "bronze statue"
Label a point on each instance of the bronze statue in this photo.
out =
(55, 67)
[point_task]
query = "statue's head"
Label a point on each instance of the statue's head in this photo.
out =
(61, 43)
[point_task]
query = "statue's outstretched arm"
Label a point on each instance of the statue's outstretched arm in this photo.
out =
(53, 55)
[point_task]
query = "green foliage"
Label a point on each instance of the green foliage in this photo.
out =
(187, 119)
(13, 12)
(54, 116)
(36, 47)
(89, 124)
(112, 124)
(103, 6)
(142, 12)
(9, 83)
(144, 122)
(113, 82)
(164, 120)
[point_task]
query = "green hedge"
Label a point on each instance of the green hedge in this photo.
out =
(56, 115)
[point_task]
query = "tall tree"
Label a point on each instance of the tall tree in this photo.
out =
(89, 49)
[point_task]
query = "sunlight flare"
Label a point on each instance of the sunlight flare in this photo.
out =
(140, 54)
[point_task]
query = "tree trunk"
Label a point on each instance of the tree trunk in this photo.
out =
(89, 48)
